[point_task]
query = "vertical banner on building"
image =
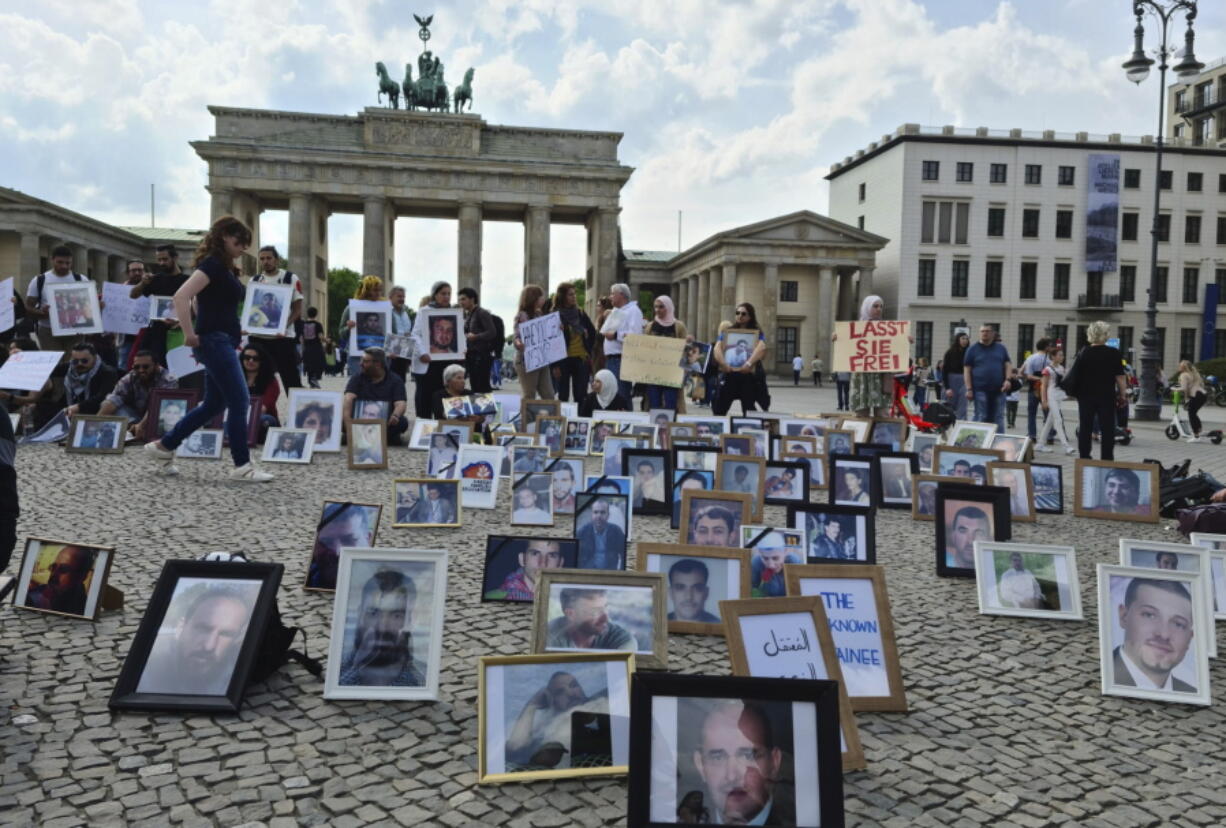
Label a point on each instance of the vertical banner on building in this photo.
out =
(1208, 327)
(1102, 212)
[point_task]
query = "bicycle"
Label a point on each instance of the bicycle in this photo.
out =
(1215, 390)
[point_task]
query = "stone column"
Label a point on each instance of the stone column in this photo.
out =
(31, 261)
(468, 263)
(681, 298)
(99, 265)
(222, 203)
(866, 289)
(536, 246)
(825, 311)
(768, 314)
(301, 253)
(702, 318)
(714, 291)
(846, 295)
(727, 294)
(118, 269)
(602, 251)
(80, 258)
(377, 249)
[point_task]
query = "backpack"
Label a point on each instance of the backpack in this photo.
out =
(275, 652)
(42, 282)
(500, 335)
(1208, 517)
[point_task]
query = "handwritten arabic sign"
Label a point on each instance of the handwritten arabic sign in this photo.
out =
(782, 645)
(654, 360)
(544, 343)
(123, 314)
(873, 345)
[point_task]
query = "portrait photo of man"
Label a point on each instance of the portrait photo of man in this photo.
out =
(443, 335)
(965, 523)
(688, 591)
(770, 555)
(378, 649)
(832, 537)
(201, 444)
(1119, 492)
(648, 480)
(896, 479)
(169, 414)
(584, 623)
(563, 724)
(341, 525)
(532, 556)
(712, 523)
(60, 586)
(288, 446)
(1018, 587)
(96, 435)
(602, 543)
(370, 329)
(1158, 625)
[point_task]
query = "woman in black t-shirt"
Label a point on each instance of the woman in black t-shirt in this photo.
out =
(313, 347)
(1100, 389)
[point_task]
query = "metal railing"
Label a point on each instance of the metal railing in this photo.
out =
(1086, 301)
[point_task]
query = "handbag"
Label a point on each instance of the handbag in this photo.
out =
(1072, 376)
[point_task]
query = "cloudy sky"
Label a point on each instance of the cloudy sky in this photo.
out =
(732, 111)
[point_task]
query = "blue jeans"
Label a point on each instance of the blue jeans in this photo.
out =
(660, 397)
(614, 363)
(225, 389)
(1033, 419)
(956, 395)
(990, 408)
(843, 389)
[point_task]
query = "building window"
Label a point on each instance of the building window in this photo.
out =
(1160, 296)
(993, 278)
(860, 222)
(789, 291)
(1081, 337)
(1125, 334)
(1161, 344)
(1221, 229)
(1219, 344)
(1132, 179)
(1060, 280)
(1219, 276)
(863, 188)
(959, 283)
(945, 221)
(932, 171)
(1030, 224)
(1060, 334)
(1196, 182)
(928, 223)
(1034, 173)
(996, 221)
(1064, 224)
(1165, 180)
(927, 281)
(1025, 340)
(1164, 227)
(1191, 285)
(1128, 227)
(998, 173)
(1187, 344)
(965, 171)
(1065, 176)
(923, 340)
(1221, 179)
(1029, 280)
(1191, 229)
(785, 344)
(1128, 283)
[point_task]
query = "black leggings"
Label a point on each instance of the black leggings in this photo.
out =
(1194, 405)
(1102, 409)
(744, 387)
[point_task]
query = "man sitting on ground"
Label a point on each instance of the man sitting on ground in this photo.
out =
(87, 381)
(130, 397)
(376, 382)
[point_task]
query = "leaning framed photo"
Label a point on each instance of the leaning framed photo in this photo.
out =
(889, 430)
(816, 464)
(551, 428)
(650, 469)
(513, 564)
(288, 445)
(687, 728)
(836, 534)
(1016, 447)
(967, 434)
(1181, 557)
(197, 642)
(367, 444)
(923, 446)
(894, 471)
(73, 308)
(965, 462)
(567, 473)
(342, 523)
(1027, 580)
(426, 502)
(532, 499)
(839, 441)
(202, 444)
(318, 410)
(858, 426)
(787, 482)
(602, 525)
(266, 308)
(1048, 480)
(553, 716)
(924, 494)
(770, 550)
(578, 439)
(166, 407)
(852, 480)
(965, 514)
(698, 578)
(90, 434)
(586, 610)
(532, 409)
(480, 467)
(1111, 490)
(1152, 635)
(387, 625)
(1016, 478)
(63, 578)
(746, 475)
(713, 518)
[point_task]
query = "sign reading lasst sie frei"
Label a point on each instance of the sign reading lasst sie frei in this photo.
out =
(872, 345)
(654, 360)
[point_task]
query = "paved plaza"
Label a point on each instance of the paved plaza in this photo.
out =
(1006, 724)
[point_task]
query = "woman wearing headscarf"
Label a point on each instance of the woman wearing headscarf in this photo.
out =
(427, 374)
(580, 334)
(665, 323)
(872, 392)
(604, 396)
(370, 289)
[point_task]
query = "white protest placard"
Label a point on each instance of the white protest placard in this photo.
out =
(7, 314)
(544, 343)
(181, 362)
(372, 323)
(29, 370)
(873, 345)
(478, 468)
(654, 360)
(123, 314)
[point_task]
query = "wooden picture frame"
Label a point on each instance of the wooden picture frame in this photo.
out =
(968, 434)
(1017, 448)
(658, 557)
(923, 446)
(683, 457)
(944, 459)
(307, 405)
(1021, 504)
(778, 482)
(887, 427)
(737, 502)
(84, 426)
(89, 593)
(1123, 500)
(924, 494)
(817, 469)
(556, 447)
(370, 459)
(156, 426)
(742, 444)
(63, 303)
(635, 617)
(403, 488)
(839, 441)
(530, 410)
(753, 485)
(860, 427)
(783, 444)
(992, 502)
(1145, 554)
(577, 439)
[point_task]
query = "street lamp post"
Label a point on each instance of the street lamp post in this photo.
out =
(1149, 406)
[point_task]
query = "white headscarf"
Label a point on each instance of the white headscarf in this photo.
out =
(608, 387)
(866, 307)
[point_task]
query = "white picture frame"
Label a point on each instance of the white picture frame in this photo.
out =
(994, 564)
(477, 491)
(321, 410)
(1189, 557)
(202, 444)
(278, 450)
(366, 316)
(266, 308)
(431, 332)
(163, 308)
(73, 308)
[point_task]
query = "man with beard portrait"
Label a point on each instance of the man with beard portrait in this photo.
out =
(198, 657)
(381, 653)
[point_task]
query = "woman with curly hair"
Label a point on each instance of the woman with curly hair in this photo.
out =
(370, 289)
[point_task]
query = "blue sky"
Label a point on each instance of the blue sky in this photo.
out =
(732, 111)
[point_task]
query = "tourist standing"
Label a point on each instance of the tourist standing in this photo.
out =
(370, 289)
(1032, 374)
(1192, 384)
(951, 371)
(1052, 395)
(664, 323)
(426, 373)
(842, 389)
(1099, 386)
(214, 339)
(282, 347)
(313, 361)
(872, 392)
(625, 318)
(817, 367)
(402, 324)
(61, 273)
(161, 336)
(985, 370)
(480, 332)
(798, 365)
(538, 384)
(747, 381)
(573, 372)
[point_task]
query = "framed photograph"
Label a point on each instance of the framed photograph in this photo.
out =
(63, 578)
(706, 425)
(578, 440)
(742, 474)
(712, 518)
(91, 434)
(643, 430)
(651, 471)
(924, 494)
(770, 549)
(613, 485)
(739, 345)
(532, 409)
(444, 329)
(551, 428)
(1016, 447)
(1217, 567)
(513, 564)
(202, 444)
(368, 444)
(255, 419)
(613, 447)
(672, 432)
(684, 479)
(371, 410)
(567, 473)
(965, 462)
(387, 625)
(738, 444)
(588, 610)
(790, 638)
(1048, 481)
(602, 430)
(895, 470)
(858, 426)
(858, 609)
(553, 716)
(690, 726)
(889, 430)
(443, 455)
(1016, 478)
(198, 640)
(1152, 636)
(695, 458)
(166, 407)
(1208, 540)
(399, 346)
(529, 459)
(922, 446)
(288, 445)
(372, 323)
(817, 468)
(971, 435)
(341, 524)
(694, 358)
(532, 499)
(698, 579)
(426, 503)
(73, 308)
(852, 480)
(787, 482)
(797, 445)
(479, 468)
(965, 514)
(319, 411)
(1116, 491)
(266, 308)
(836, 534)
(600, 529)
(419, 440)
(1027, 580)
(872, 449)
(162, 308)
(803, 427)
(1179, 557)
(839, 441)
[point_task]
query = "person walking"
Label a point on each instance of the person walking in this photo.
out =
(537, 384)
(214, 338)
(1099, 386)
(572, 373)
(747, 381)
(985, 371)
(1192, 384)
(1052, 394)
(665, 323)
(1032, 374)
(817, 367)
(427, 374)
(951, 371)
(313, 361)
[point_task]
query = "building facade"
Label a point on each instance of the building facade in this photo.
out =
(1196, 111)
(990, 226)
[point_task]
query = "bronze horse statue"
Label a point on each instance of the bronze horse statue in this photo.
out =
(427, 93)
(388, 87)
(464, 92)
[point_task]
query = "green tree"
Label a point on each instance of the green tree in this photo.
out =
(342, 283)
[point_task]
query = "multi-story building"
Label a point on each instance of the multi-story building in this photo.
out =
(991, 226)
(1196, 110)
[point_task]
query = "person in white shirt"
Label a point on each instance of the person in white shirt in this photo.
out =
(38, 304)
(625, 318)
(1018, 587)
(1157, 620)
(1053, 395)
(1032, 373)
(798, 365)
(283, 348)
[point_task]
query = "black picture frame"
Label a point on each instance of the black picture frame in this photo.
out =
(499, 547)
(125, 695)
(823, 694)
(873, 449)
(582, 520)
(778, 467)
(1048, 504)
(883, 494)
(835, 462)
(630, 458)
(712, 450)
(995, 498)
(798, 518)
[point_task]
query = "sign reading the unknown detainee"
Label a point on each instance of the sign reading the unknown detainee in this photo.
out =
(654, 360)
(874, 345)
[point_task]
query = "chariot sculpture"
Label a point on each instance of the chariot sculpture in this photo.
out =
(429, 90)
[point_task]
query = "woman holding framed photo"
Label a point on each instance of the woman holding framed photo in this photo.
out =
(426, 374)
(742, 375)
(370, 289)
(665, 323)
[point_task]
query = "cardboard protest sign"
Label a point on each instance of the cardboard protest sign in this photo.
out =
(874, 345)
(654, 360)
(29, 370)
(181, 362)
(7, 314)
(544, 343)
(123, 314)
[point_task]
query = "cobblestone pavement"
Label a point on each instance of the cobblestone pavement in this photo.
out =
(1006, 723)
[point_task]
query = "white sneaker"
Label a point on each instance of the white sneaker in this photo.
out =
(1070, 451)
(250, 474)
(1044, 449)
(158, 453)
(1193, 439)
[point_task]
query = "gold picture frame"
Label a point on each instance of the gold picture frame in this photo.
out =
(743, 502)
(423, 485)
(724, 484)
(352, 443)
(1136, 513)
(677, 550)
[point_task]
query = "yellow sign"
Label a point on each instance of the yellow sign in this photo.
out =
(654, 360)
(874, 345)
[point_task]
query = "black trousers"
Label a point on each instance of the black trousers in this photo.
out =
(1194, 405)
(748, 388)
(477, 366)
(1089, 411)
(573, 374)
(284, 353)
